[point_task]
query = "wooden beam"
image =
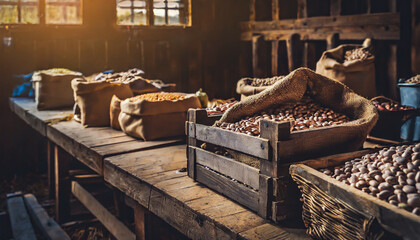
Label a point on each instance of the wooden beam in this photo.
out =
(114, 226)
(19, 219)
(49, 228)
(292, 45)
(252, 10)
(141, 222)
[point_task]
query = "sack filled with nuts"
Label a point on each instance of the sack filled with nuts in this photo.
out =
(250, 86)
(330, 103)
(352, 65)
(156, 115)
(94, 98)
(53, 88)
(114, 112)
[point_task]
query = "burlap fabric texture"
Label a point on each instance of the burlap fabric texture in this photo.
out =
(154, 120)
(245, 89)
(114, 112)
(53, 90)
(94, 98)
(359, 75)
(328, 92)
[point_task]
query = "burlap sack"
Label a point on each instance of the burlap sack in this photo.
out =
(153, 120)
(330, 93)
(53, 90)
(114, 112)
(359, 75)
(94, 98)
(245, 89)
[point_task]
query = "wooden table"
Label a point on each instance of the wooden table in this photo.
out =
(148, 173)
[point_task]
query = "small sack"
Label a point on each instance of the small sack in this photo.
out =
(114, 112)
(328, 92)
(357, 74)
(53, 88)
(94, 98)
(151, 120)
(251, 86)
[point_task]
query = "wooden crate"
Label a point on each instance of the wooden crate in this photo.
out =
(335, 210)
(269, 190)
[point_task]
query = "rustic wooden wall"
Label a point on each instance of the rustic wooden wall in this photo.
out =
(204, 55)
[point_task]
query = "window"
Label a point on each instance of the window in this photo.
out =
(19, 11)
(28, 11)
(63, 12)
(153, 12)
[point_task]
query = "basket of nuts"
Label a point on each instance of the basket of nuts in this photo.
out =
(362, 195)
(304, 116)
(392, 116)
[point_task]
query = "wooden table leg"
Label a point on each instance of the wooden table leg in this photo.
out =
(62, 184)
(51, 168)
(141, 220)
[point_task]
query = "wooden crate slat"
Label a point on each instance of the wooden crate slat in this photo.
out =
(247, 144)
(47, 225)
(227, 187)
(19, 219)
(387, 214)
(237, 170)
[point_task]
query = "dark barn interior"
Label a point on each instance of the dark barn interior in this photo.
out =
(100, 183)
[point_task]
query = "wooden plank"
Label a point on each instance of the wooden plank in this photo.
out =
(62, 184)
(252, 10)
(50, 229)
(302, 9)
(398, 219)
(269, 231)
(236, 191)
(141, 222)
(19, 219)
(292, 52)
(265, 193)
(381, 26)
(234, 169)
(114, 226)
(275, 10)
(240, 142)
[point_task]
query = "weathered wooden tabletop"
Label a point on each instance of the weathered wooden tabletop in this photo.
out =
(148, 172)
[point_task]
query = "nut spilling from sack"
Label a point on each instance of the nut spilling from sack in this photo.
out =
(120, 77)
(357, 54)
(390, 106)
(303, 115)
(220, 109)
(157, 97)
(413, 80)
(261, 82)
(391, 175)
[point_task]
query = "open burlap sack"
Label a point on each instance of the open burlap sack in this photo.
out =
(359, 75)
(114, 112)
(328, 92)
(244, 86)
(53, 88)
(153, 120)
(94, 98)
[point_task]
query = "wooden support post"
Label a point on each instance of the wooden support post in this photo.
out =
(265, 195)
(62, 184)
(332, 41)
(335, 9)
(305, 62)
(275, 57)
(275, 11)
(252, 10)
(259, 56)
(141, 221)
(292, 48)
(302, 9)
(50, 168)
